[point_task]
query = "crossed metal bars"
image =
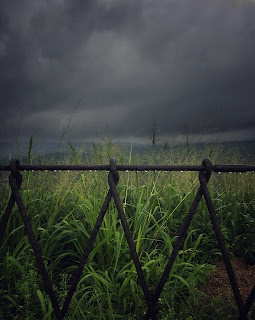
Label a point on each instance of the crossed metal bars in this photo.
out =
(205, 170)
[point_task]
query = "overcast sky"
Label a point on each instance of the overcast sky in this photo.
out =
(189, 65)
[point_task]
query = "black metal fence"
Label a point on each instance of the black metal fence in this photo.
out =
(205, 170)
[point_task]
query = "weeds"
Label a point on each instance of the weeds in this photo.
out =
(63, 209)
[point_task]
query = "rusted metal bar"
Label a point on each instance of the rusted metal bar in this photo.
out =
(176, 248)
(113, 179)
(64, 167)
(216, 226)
(250, 300)
(180, 239)
(11, 202)
(14, 177)
(6, 216)
(86, 253)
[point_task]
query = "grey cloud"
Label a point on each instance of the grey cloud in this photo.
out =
(133, 61)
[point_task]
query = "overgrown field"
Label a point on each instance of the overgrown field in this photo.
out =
(63, 208)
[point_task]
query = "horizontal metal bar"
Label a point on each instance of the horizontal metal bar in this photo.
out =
(66, 167)
(233, 168)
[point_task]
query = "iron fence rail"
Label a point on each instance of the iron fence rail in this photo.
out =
(103, 167)
(205, 170)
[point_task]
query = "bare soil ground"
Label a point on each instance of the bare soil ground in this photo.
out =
(219, 284)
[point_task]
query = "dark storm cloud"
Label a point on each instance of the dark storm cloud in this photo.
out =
(185, 64)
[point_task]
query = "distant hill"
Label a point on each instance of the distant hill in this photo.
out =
(244, 149)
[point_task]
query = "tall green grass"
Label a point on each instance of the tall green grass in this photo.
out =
(63, 208)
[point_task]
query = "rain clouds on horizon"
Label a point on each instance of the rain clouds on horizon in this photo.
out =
(188, 65)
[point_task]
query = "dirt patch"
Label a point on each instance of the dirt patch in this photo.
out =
(219, 283)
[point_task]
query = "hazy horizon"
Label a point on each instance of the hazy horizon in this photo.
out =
(21, 148)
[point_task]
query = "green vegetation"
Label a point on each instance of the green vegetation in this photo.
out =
(63, 208)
